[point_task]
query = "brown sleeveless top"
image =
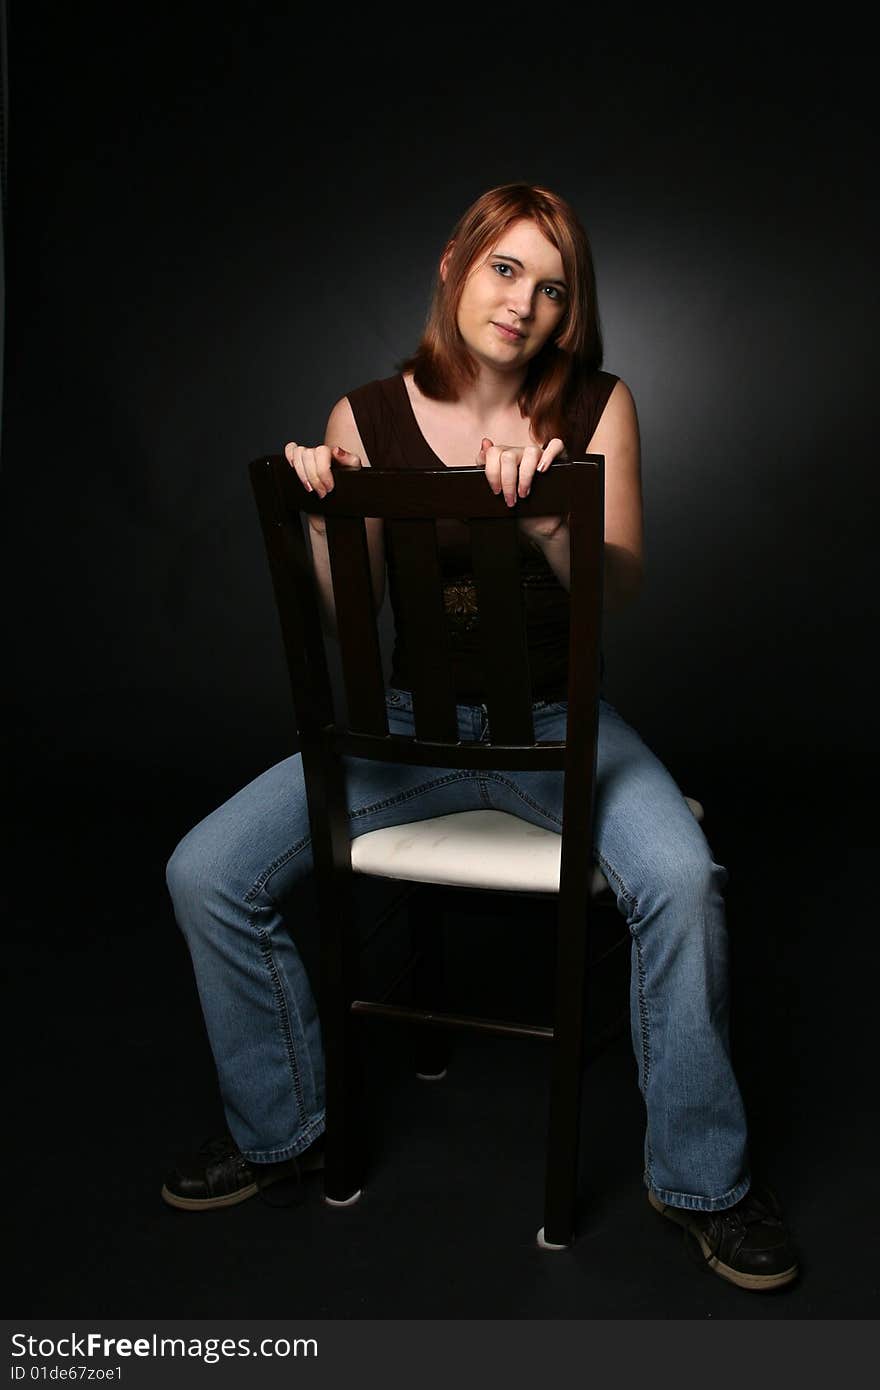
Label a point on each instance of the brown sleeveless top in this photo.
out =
(392, 439)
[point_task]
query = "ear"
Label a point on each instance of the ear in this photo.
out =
(444, 261)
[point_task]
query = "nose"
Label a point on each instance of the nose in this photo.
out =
(521, 300)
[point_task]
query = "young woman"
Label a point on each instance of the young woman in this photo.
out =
(508, 375)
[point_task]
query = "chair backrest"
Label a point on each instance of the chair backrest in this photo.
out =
(410, 504)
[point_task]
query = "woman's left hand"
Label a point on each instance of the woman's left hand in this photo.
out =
(511, 468)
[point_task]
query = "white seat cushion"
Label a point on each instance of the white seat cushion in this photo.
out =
(470, 849)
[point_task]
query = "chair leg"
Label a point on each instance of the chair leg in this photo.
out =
(429, 984)
(343, 1151)
(563, 1133)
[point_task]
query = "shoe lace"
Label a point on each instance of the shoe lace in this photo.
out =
(219, 1148)
(286, 1191)
(754, 1209)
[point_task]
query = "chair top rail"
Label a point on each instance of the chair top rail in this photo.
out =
(398, 494)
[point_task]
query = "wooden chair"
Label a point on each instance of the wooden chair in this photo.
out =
(478, 849)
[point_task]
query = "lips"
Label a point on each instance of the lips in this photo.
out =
(512, 334)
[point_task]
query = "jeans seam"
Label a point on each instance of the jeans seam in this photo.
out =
(686, 1201)
(283, 1012)
(401, 798)
(527, 800)
(621, 889)
(258, 885)
(308, 1135)
(267, 954)
(643, 1014)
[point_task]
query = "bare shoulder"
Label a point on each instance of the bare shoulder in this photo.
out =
(622, 396)
(619, 416)
(617, 434)
(342, 430)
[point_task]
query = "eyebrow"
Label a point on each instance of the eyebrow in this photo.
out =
(504, 257)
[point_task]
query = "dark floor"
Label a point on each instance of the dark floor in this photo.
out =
(115, 1079)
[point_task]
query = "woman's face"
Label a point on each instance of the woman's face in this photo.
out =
(513, 298)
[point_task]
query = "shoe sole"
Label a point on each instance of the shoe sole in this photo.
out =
(756, 1282)
(314, 1163)
(231, 1199)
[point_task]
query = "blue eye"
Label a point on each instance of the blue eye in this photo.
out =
(502, 268)
(552, 291)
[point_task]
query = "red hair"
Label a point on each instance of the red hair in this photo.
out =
(441, 364)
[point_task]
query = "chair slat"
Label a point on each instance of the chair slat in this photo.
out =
(356, 624)
(495, 556)
(420, 599)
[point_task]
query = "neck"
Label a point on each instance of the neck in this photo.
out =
(492, 393)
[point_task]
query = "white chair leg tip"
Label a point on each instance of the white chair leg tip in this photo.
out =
(346, 1201)
(546, 1244)
(431, 1075)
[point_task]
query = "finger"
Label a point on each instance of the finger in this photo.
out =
(481, 456)
(345, 458)
(306, 467)
(323, 461)
(493, 468)
(509, 474)
(550, 452)
(528, 464)
(293, 454)
(316, 465)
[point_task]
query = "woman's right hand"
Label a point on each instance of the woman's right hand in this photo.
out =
(312, 466)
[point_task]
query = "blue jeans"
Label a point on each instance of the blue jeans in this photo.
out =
(234, 880)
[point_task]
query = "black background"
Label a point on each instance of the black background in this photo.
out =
(222, 220)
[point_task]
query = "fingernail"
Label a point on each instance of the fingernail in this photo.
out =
(309, 487)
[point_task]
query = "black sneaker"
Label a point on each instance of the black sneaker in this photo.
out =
(221, 1176)
(746, 1244)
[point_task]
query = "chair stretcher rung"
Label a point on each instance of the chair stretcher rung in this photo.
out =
(436, 1019)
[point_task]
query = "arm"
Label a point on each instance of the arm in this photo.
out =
(617, 437)
(344, 446)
